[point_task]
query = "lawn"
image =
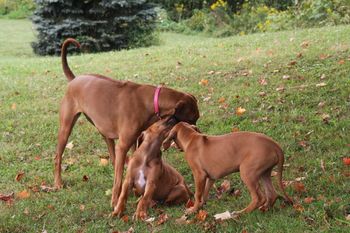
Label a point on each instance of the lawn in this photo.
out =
(294, 86)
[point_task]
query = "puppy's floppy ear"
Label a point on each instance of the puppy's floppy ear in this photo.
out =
(140, 140)
(171, 136)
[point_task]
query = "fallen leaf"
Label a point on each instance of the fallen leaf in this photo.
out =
(280, 89)
(323, 76)
(321, 104)
(6, 197)
(224, 187)
(14, 106)
(298, 207)
(300, 178)
(51, 207)
(324, 56)
(304, 44)
(211, 72)
(204, 82)
(299, 55)
(37, 158)
(308, 200)
(285, 77)
(104, 162)
(125, 218)
(26, 211)
(47, 189)
(162, 219)
(223, 216)
(299, 187)
(82, 207)
(321, 84)
(201, 215)
(85, 178)
(292, 63)
(221, 100)
(303, 144)
(346, 161)
(325, 118)
(189, 204)
(70, 145)
(262, 82)
(341, 62)
(19, 176)
(235, 129)
(262, 93)
(347, 217)
(240, 111)
(23, 195)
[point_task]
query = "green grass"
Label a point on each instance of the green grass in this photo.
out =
(31, 88)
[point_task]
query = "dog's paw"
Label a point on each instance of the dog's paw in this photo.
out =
(140, 215)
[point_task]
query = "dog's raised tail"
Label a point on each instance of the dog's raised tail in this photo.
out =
(67, 71)
(280, 155)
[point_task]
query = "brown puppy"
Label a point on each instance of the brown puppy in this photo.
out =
(150, 175)
(119, 110)
(213, 157)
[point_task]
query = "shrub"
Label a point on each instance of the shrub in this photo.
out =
(100, 25)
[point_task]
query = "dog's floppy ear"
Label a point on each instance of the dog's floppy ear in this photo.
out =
(171, 136)
(140, 140)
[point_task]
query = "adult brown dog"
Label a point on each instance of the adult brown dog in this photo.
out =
(150, 175)
(118, 109)
(213, 157)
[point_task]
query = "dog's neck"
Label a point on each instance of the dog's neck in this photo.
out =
(184, 137)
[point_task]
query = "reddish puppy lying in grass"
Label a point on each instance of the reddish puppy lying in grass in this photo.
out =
(151, 176)
(213, 157)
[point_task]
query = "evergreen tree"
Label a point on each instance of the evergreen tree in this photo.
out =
(99, 25)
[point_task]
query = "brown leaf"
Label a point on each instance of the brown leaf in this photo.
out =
(299, 187)
(162, 218)
(341, 62)
(201, 215)
(23, 195)
(323, 84)
(221, 100)
(189, 204)
(19, 176)
(280, 88)
(6, 197)
(322, 166)
(37, 158)
(303, 144)
(308, 200)
(324, 56)
(262, 93)
(235, 129)
(321, 104)
(182, 220)
(14, 106)
(304, 44)
(26, 211)
(298, 207)
(70, 145)
(262, 81)
(82, 207)
(224, 187)
(85, 178)
(125, 218)
(285, 76)
(292, 63)
(325, 118)
(299, 55)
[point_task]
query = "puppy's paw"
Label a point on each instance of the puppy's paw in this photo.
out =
(140, 215)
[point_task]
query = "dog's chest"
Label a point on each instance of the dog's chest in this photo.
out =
(141, 180)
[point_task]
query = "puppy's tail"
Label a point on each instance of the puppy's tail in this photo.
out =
(280, 162)
(67, 71)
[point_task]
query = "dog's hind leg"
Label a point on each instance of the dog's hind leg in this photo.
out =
(68, 117)
(270, 191)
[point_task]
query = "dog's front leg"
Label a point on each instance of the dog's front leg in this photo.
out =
(121, 150)
(143, 205)
(127, 185)
(199, 180)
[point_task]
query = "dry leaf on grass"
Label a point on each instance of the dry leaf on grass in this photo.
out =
(23, 195)
(223, 216)
(204, 82)
(240, 111)
(70, 145)
(202, 215)
(104, 162)
(346, 161)
(14, 106)
(224, 187)
(308, 200)
(47, 189)
(19, 176)
(162, 218)
(6, 197)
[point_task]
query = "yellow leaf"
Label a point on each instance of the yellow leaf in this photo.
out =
(14, 106)
(240, 111)
(104, 162)
(204, 82)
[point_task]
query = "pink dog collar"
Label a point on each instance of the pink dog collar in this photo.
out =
(156, 101)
